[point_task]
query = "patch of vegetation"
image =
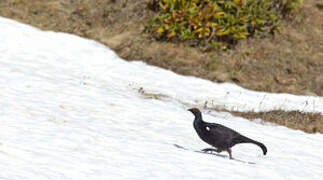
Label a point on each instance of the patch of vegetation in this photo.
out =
(305, 121)
(151, 95)
(210, 22)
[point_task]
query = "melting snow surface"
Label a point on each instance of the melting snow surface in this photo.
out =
(70, 109)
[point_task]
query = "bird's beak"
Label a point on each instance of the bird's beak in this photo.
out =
(190, 110)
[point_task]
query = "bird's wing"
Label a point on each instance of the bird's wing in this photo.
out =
(221, 131)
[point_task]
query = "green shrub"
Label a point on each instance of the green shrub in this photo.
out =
(213, 21)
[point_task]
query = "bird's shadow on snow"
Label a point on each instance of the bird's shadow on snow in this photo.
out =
(214, 154)
(199, 151)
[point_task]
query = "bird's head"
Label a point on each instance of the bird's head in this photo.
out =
(195, 111)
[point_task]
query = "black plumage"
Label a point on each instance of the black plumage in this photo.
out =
(220, 137)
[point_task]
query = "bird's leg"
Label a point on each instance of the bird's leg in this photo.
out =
(230, 153)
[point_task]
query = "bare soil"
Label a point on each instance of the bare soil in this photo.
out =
(290, 62)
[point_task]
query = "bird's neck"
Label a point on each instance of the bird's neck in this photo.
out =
(198, 118)
(198, 123)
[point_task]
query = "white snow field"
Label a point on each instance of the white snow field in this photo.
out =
(70, 109)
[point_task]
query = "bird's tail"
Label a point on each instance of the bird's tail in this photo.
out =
(243, 139)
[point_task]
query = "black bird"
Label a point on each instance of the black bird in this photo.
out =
(220, 137)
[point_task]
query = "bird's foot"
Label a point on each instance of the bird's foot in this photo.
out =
(211, 150)
(208, 150)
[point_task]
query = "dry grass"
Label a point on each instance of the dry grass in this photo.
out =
(308, 122)
(290, 62)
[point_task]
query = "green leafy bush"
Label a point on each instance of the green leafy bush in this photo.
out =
(213, 21)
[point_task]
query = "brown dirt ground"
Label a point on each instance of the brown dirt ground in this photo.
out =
(290, 62)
